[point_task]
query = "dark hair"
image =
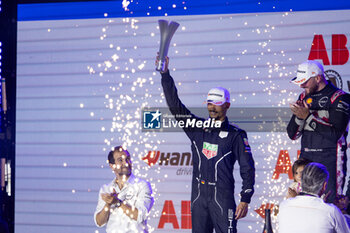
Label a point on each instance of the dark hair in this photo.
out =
(111, 153)
(298, 163)
(313, 177)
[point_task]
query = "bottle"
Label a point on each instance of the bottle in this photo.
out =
(267, 226)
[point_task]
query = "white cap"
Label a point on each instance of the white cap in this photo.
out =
(306, 70)
(218, 96)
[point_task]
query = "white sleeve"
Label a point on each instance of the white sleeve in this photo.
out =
(100, 204)
(144, 201)
(341, 225)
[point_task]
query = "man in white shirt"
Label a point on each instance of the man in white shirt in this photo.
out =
(124, 203)
(307, 212)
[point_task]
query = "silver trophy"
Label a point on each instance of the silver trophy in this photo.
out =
(167, 30)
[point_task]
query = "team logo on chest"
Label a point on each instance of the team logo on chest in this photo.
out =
(309, 101)
(210, 150)
(323, 101)
(223, 134)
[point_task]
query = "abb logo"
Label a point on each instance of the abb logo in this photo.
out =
(169, 215)
(283, 165)
(340, 53)
(261, 210)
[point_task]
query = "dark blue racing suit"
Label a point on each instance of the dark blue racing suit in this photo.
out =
(214, 153)
(323, 133)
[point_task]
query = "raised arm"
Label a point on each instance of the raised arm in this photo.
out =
(175, 105)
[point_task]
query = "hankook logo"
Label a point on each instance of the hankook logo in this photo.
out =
(165, 159)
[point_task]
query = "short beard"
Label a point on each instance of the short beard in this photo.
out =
(312, 90)
(124, 173)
